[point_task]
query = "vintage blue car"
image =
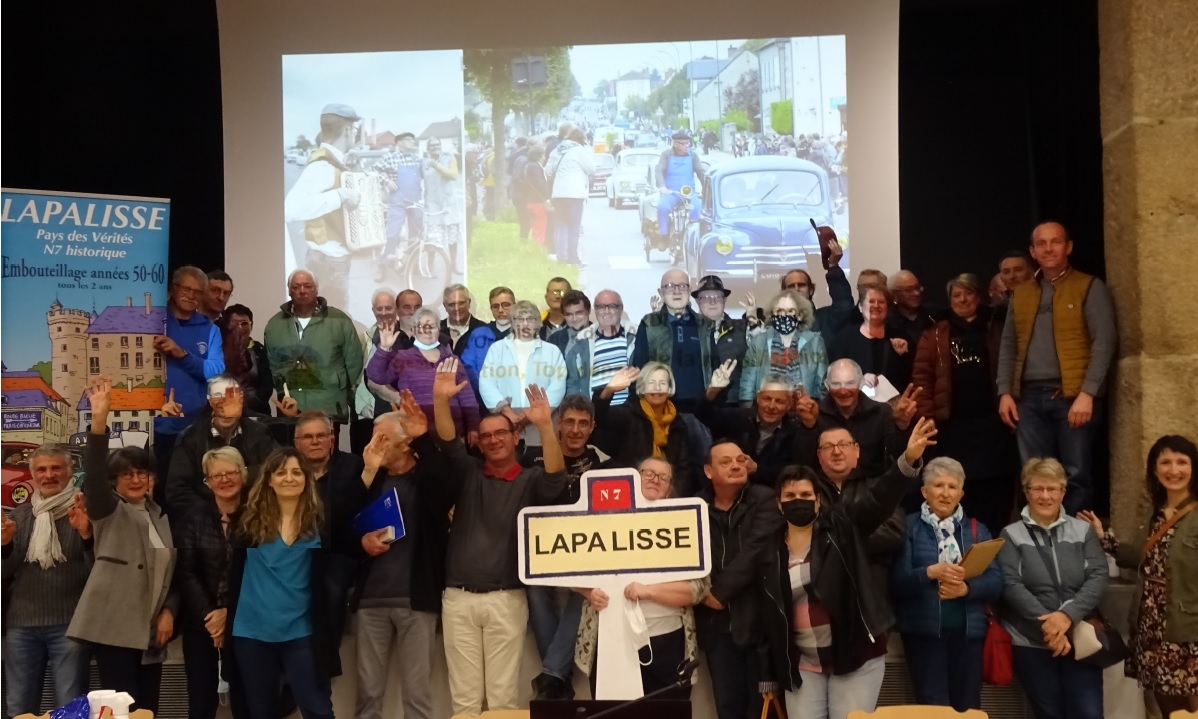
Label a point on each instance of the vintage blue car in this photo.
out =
(755, 220)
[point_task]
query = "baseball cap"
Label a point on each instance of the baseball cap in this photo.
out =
(341, 110)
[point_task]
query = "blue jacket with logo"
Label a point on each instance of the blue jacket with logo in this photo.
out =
(189, 376)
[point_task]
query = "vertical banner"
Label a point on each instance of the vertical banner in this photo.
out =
(84, 294)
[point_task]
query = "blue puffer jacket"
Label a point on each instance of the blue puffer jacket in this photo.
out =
(916, 599)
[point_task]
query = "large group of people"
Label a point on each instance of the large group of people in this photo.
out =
(836, 519)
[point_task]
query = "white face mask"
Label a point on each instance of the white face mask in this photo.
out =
(426, 346)
(638, 628)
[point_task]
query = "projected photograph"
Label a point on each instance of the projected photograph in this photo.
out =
(373, 173)
(610, 164)
(604, 164)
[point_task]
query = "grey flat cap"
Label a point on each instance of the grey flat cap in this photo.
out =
(341, 110)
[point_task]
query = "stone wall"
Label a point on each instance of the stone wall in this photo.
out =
(1149, 98)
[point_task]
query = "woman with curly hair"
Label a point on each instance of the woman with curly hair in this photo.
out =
(278, 614)
(1164, 626)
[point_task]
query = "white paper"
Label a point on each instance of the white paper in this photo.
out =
(882, 392)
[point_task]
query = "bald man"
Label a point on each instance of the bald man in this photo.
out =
(910, 315)
(314, 349)
(679, 337)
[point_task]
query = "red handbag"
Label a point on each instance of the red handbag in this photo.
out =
(996, 650)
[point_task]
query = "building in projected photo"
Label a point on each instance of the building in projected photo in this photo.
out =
(809, 72)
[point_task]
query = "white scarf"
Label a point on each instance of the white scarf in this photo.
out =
(44, 547)
(946, 533)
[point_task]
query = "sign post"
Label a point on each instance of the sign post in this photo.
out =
(610, 537)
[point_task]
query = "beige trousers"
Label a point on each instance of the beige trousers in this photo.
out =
(484, 638)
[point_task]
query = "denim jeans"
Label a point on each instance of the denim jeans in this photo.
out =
(1058, 687)
(829, 696)
(1044, 431)
(555, 626)
(946, 670)
(733, 680)
(29, 650)
(665, 204)
(260, 664)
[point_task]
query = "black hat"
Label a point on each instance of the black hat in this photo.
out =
(709, 283)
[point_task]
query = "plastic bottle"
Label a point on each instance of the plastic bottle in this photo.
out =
(95, 701)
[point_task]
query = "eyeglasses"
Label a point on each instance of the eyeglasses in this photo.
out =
(609, 308)
(245, 324)
(426, 328)
(649, 475)
(135, 474)
(1046, 490)
(188, 291)
(497, 434)
(501, 305)
(312, 437)
(674, 287)
(713, 299)
(840, 446)
(222, 476)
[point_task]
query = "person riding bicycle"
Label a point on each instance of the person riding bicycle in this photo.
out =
(678, 167)
(403, 173)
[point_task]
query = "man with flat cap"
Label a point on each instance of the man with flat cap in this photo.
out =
(403, 173)
(317, 198)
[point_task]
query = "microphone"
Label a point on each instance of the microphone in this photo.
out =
(686, 670)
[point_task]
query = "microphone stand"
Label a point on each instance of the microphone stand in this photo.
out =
(682, 682)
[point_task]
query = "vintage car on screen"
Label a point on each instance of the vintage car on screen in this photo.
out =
(755, 219)
(632, 177)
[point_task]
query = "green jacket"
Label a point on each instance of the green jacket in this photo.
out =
(320, 365)
(1181, 612)
(653, 342)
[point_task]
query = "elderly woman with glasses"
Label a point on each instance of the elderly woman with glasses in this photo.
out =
(518, 361)
(941, 614)
(415, 367)
(788, 347)
(1054, 574)
(203, 571)
(128, 608)
(648, 424)
(1164, 625)
(666, 606)
(956, 363)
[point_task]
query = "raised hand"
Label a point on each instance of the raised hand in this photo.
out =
(835, 252)
(539, 412)
(411, 417)
(921, 439)
(900, 345)
(99, 397)
(375, 451)
(172, 408)
(388, 333)
(445, 381)
(8, 528)
(77, 516)
(288, 407)
(722, 376)
(656, 303)
(623, 379)
(904, 410)
(750, 307)
(869, 379)
(806, 407)
(1087, 516)
(231, 406)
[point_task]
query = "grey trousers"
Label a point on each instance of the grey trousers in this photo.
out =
(415, 632)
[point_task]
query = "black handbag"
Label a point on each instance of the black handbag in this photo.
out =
(1094, 640)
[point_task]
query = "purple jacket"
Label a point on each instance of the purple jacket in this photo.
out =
(409, 369)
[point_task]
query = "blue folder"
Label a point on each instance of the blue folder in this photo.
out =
(382, 512)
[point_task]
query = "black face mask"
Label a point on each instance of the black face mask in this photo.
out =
(785, 324)
(799, 512)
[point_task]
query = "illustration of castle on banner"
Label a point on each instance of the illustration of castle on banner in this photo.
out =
(48, 402)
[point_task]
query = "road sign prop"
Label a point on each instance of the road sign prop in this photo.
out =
(610, 537)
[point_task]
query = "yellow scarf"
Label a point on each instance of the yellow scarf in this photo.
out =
(661, 425)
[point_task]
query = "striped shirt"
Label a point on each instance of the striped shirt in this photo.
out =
(610, 355)
(813, 626)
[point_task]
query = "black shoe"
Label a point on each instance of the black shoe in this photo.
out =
(543, 686)
(565, 689)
